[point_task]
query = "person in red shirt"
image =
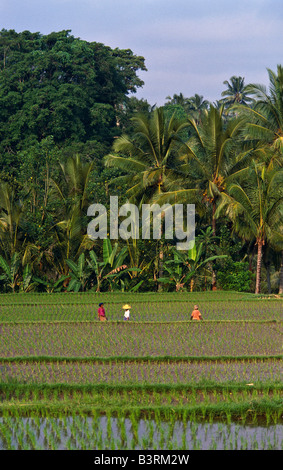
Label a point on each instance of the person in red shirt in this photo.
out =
(196, 315)
(101, 312)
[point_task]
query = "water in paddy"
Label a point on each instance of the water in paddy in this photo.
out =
(102, 433)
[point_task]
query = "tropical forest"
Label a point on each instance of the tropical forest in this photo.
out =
(111, 342)
(72, 133)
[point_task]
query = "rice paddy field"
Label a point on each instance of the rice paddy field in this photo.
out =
(158, 381)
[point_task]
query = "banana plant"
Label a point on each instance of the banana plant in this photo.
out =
(10, 271)
(127, 287)
(97, 267)
(185, 265)
(26, 284)
(26, 281)
(51, 285)
(112, 265)
(79, 274)
(11, 213)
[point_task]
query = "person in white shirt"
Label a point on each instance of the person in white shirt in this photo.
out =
(126, 312)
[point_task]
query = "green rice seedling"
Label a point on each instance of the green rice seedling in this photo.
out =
(109, 425)
(228, 416)
(69, 445)
(132, 444)
(123, 431)
(134, 426)
(183, 445)
(145, 442)
(151, 430)
(213, 444)
(21, 445)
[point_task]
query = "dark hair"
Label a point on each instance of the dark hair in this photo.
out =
(101, 303)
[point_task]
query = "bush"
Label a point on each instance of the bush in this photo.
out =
(235, 276)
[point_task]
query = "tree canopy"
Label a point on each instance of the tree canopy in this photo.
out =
(62, 86)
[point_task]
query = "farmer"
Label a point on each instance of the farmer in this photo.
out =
(196, 315)
(126, 312)
(101, 312)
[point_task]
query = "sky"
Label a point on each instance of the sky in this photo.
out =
(189, 46)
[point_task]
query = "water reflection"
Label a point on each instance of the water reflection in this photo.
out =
(104, 432)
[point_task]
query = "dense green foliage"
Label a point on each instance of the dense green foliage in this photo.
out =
(62, 86)
(72, 134)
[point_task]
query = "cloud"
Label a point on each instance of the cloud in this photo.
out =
(216, 29)
(189, 47)
(197, 55)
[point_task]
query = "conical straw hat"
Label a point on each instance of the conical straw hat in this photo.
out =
(126, 306)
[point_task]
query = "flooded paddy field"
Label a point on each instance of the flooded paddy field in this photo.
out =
(159, 381)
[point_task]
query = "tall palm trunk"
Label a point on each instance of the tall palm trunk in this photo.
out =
(258, 265)
(161, 254)
(281, 276)
(160, 274)
(214, 233)
(268, 277)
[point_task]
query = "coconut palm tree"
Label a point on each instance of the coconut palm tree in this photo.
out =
(76, 175)
(255, 207)
(237, 92)
(196, 106)
(264, 124)
(264, 121)
(281, 275)
(212, 160)
(179, 100)
(71, 236)
(149, 157)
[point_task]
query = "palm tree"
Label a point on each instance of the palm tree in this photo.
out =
(281, 275)
(264, 124)
(214, 150)
(255, 208)
(76, 176)
(179, 100)
(71, 236)
(237, 92)
(150, 156)
(196, 107)
(211, 161)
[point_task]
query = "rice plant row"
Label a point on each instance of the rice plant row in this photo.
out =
(141, 339)
(144, 310)
(31, 298)
(134, 432)
(127, 396)
(142, 372)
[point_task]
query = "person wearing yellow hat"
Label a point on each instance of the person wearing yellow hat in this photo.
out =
(126, 312)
